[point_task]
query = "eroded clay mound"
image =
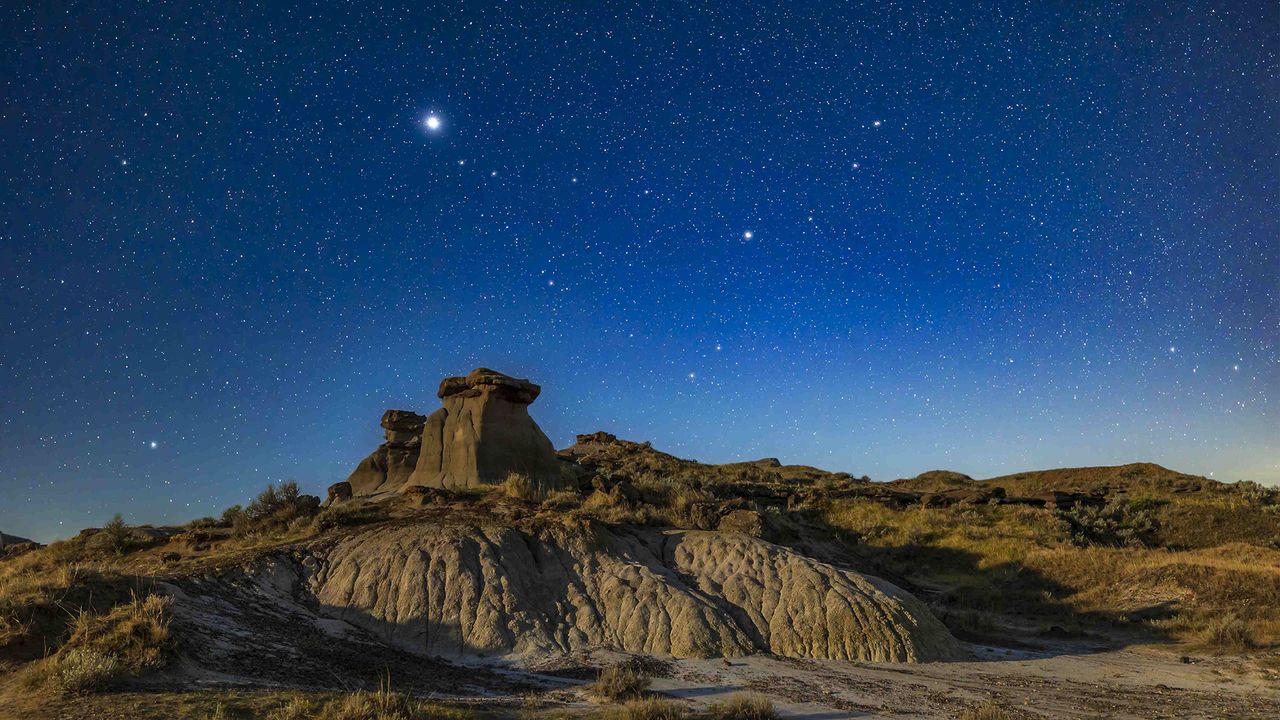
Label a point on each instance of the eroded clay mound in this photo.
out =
(501, 591)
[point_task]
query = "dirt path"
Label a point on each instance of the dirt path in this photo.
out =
(1069, 682)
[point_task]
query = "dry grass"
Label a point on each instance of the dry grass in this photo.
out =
(127, 641)
(618, 682)
(992, 560)
(651, 709)
(743, 706)
(243, 704)
(659, 500)
(522, 487)
(382, 704)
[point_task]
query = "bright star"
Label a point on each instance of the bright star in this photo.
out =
(432, 122)
(747, 235)
(154, 444)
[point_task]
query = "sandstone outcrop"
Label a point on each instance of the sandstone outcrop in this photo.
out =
(472, 590)
(389, 467)
(484, 433)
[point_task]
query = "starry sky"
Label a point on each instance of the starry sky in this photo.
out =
(880, 238)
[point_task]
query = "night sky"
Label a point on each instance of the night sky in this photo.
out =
(878, 238)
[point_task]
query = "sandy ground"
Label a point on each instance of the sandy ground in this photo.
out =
(1063, 682)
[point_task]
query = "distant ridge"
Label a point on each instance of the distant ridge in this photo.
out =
(6, 540)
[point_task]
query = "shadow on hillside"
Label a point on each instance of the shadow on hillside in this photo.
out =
(1007, 605)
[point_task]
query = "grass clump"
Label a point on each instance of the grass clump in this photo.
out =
(128, 640)
(651, 709)
(522, 487)
(83, 669)
(1229, 633)
(619, 682)
(743, 706)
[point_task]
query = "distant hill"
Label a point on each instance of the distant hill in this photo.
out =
(1104, 480)
(6, 540)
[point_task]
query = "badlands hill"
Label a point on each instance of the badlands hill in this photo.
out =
(465, 557)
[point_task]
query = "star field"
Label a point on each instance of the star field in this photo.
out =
(881, 239)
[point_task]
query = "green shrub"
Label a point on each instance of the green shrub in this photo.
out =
(117, 535)
(275, 508)
(1120, 523)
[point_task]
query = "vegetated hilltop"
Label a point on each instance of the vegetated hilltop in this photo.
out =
(465, 535)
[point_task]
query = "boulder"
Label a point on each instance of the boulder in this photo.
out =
(338, 492)
(484, 433)
(749, 522)
(389, 467)
(599, 437)
(424, 496)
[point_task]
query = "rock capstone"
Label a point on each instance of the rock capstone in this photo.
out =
(483, 434)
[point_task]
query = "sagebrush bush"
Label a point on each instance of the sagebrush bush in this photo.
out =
(1231, 634)
(128, 640)
(84, 669)
(1120, 523)
(743, 706)
(619, 682)
(117, 535)
(274, 509)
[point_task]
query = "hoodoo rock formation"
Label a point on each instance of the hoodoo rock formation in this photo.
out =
(387, 468)
(481, 435)
(507, 576)
(484, 433)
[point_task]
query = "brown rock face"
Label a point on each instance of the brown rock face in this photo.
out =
(483, 433)
(388, 467)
